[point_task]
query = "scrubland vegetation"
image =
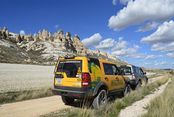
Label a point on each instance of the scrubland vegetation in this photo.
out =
(163, 105)
(24, 95)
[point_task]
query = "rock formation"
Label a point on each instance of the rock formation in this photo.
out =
(79, 45)
(29, 38)
(58, 36)
(19, 38)
(59, 40)
(36, 37)
(4, 33)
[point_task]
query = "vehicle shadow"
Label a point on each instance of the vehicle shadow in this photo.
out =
(88, 104)
(81, 104)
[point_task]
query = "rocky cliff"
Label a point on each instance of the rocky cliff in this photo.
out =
(43, 47)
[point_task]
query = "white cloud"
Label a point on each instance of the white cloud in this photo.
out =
(170, 55)
(151, 56)
(147, 27)
(124, 1)
(120, 44)
(162, 39)
(93, 40)
(56, 26)
(126, 52)
(121, 48)
(22, 32)
(116, 47)
(114, 2)
(106, 44)
(164, 33)
(164, 47)
(157, 63)
(138, 11)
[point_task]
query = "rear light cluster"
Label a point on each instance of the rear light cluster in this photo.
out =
(86, 79)
(133, 76)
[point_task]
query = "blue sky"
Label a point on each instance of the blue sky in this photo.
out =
(130, 30)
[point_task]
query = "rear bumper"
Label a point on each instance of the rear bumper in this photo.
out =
(73, 92)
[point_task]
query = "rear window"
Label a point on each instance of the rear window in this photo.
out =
(71, 68)
(126, 70)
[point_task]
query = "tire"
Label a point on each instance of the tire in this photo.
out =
(127, 90)
(100, 100)
(67, 100)
(86, 102)
(139, 84)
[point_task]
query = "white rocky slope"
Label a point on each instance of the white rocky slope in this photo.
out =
(42, 48)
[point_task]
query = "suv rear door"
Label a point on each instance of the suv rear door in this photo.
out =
(68, 73)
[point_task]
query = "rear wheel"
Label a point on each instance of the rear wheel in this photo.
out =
(67, 100)
(127, 90)
(139, 84)
(101, 99)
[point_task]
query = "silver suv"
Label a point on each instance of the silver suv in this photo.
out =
(134, 75)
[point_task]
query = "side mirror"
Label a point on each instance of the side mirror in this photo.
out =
(144, 73)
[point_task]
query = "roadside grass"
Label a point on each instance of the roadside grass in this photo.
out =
(154, 75)
(24, 95)
(163, 105)
(113, 108)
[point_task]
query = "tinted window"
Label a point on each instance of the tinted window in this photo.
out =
(141, 72)
(126, 70)
(71, 68)
(137, 71)
(110, 69)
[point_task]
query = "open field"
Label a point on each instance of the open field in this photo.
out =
(17, 77)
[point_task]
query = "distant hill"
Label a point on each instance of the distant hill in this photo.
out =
(44, 47)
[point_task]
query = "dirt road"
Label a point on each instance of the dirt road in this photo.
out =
(36, 107)
(32, 108)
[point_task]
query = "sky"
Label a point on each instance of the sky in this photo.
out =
(140, 32)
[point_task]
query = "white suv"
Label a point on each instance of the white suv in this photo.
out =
(134, 75)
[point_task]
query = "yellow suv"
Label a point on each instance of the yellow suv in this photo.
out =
(88, 78)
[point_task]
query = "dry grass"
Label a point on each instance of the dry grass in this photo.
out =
(21, 77)
(112, 109)
(24, 95)
(163, 106)
(154, 76)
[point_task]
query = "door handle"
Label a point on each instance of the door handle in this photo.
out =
(117, 78)
(106, 79)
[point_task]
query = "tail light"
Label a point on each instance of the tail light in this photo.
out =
(133, 76)
(86, 79)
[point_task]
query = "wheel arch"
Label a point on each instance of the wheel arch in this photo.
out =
(100, 86)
